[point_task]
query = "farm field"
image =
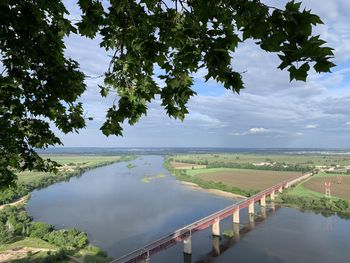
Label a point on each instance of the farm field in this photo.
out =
(243, 178)
(341, 190)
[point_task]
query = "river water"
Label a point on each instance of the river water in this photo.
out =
(121, 211)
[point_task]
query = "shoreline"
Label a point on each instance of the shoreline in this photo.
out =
(21, 201)
(22, 251)
(212, 191)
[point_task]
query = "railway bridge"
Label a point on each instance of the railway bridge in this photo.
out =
(184, 234)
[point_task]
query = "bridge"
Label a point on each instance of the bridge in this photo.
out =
(184, 234)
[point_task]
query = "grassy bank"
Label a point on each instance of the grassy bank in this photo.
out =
(23, 240)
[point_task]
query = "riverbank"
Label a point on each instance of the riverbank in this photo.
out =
(22, 201)
(19, 238)
(213, 191)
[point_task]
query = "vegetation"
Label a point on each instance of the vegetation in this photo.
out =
(274, 167)
(148, 179)
(339, 206)
(72, 165)
(41, 86)
(228, 233)
(15, 222)
(18, 230)
(130, 165)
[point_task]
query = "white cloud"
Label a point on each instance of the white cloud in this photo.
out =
(347, 123)
(311, 126)
(258, 130)
(251, 131)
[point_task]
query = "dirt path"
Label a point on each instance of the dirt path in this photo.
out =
(20, 201)
(18, 253)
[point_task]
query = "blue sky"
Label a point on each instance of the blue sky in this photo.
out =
(270, 112)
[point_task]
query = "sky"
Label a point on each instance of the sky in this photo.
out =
(270, 112)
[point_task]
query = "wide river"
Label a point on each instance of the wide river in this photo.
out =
(121, 211)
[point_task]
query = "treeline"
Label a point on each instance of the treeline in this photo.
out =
(338, 172)
(13, 193)
(274, 167)
(191, 161)
(278, 166)
(16, 224)
(339, 206)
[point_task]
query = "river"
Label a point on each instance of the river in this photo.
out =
(121, 211)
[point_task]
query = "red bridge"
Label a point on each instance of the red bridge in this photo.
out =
(184, 234)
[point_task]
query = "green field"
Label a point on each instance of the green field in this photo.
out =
(313, 187)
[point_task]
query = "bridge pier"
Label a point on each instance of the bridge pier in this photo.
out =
(263, 200)
(251, 221)
(216, 227)
(236, 216)
(216, 245)
(147, 259)
(280, 189)
(188, 245)
(263, 212)
(236, 229)
(251, 208)
(272, 196)
(187, 258)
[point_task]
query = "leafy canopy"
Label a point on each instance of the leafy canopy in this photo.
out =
(40, 86)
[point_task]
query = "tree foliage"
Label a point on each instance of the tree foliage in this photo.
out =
(41, 86)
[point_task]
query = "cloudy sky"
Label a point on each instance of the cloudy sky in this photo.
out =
(270, 112)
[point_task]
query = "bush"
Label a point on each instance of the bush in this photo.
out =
(322, 204)
(68, 238)
(40, 229)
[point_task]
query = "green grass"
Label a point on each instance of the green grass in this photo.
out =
(300, 190)
(28, 242)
